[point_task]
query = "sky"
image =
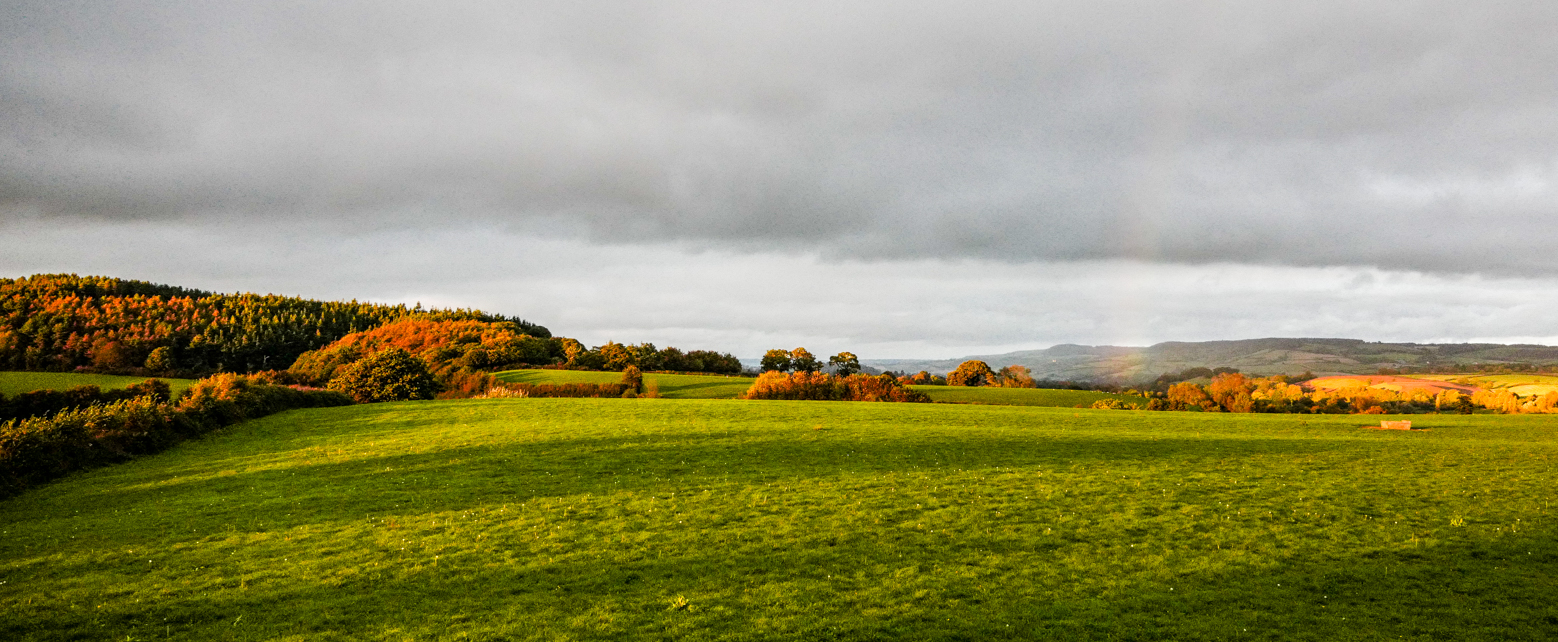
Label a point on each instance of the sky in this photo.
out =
(897, 179)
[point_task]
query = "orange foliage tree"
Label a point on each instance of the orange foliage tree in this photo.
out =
(971, 373)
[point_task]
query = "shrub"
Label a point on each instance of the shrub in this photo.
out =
(388, 375)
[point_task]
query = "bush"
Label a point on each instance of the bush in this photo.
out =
(807, 386)
(38, 449)
(388, 375)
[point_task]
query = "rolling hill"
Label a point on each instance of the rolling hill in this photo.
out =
(1254, 356)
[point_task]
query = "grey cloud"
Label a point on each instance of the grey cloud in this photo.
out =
(731, 301)
(1417, 135)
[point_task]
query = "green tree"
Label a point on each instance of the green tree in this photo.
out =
(615, 355)
(845, 363)
(776, 359)
(388, 375)
(971, 373)
(801, 360)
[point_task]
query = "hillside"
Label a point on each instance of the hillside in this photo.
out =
(62, 322)
(1255, 356)
(613, 519)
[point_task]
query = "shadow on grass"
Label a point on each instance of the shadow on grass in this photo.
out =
(458, 477)
(860, 589)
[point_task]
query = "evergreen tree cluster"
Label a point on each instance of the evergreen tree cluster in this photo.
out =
(64, 322)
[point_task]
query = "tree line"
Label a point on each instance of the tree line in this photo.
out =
(1236, 392)
(64, 322)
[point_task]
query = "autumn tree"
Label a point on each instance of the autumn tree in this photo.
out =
(1231, 391)
(776, 360)
(802, 360)
(845, 363)
(615, 355)
(1015, 376)
(1182, 396)
(633, 378)
(160, 361)
(971, 373)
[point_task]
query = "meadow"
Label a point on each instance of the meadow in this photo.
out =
(14, 383)
(575, 519)
(677, 386)
(1022, 396)
(1521, 384)
(672, 386)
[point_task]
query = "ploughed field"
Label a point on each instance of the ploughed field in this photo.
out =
(714, 519)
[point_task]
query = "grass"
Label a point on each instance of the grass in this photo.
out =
(1021, 396)
(14, 383)
(672, 386)
(578, 519)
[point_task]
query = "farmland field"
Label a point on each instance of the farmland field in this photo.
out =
(13, 383)
(1524, 385)
(675, 386)
(672, 386)
(1021, 396)
(710, 519)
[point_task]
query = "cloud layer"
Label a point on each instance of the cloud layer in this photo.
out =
(746, 303)
(1410, 135)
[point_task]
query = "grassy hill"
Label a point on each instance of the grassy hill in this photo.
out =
(13, 383)
(653, 519)
(672, 386)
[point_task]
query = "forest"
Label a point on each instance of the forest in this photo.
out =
(65, 323)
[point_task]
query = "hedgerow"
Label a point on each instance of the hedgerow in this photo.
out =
(37, 449)
(566, 389)
(42, 403)
(810, 386)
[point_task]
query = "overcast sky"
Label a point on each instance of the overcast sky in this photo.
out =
(902, 179)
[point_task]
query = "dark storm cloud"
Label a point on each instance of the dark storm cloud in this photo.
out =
(1415, 135)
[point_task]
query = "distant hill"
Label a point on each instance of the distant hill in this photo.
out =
(1255, 356)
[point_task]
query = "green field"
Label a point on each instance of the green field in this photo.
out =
(1021, 396)
(555, 519)
(672, 386)
(13, 383)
